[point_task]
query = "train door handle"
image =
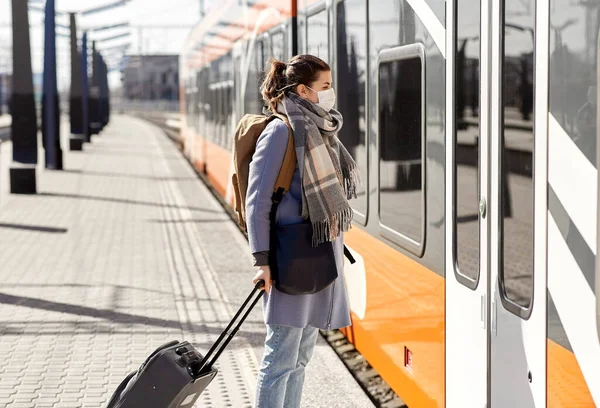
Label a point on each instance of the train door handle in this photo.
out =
(483, 311)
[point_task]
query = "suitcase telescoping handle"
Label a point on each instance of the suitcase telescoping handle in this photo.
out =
(228, 334)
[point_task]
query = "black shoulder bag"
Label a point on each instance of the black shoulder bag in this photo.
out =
(297, 267)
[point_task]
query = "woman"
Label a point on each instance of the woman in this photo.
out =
(301, 90)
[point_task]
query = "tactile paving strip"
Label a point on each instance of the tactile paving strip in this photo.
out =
(201, 305)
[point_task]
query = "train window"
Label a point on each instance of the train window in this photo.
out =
(252, 99)
(237, 81)
(301, 33)
(516, 150)
(219, 111)
(212, 114)
(401, 101)
(230, 118)
(278, 45)
(188, 102)
(226, 114)
(351, 77)
(466, 143)
(198, 101)
(203, 85)
(260, 55)
(318, 35)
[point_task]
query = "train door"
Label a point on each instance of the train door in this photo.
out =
(467, 225)
(518, 202)
(495, 292)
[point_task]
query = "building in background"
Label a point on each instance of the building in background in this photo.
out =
(150, 77)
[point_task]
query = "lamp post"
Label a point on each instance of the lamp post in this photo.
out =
(103, 92)
(24, 121)
(85, 94)
(94, 94)
(77, 136)
(50, 102)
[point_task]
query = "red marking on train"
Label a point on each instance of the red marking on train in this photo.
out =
(408, 359)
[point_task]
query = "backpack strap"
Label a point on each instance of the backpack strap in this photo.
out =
(348, 255)
(288, 167)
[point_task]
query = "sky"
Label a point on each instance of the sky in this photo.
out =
(156, 26)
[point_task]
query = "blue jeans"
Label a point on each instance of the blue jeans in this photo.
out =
(281, 377)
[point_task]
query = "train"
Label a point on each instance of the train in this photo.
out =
(474, 124)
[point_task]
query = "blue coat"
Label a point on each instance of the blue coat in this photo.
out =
(326, 309)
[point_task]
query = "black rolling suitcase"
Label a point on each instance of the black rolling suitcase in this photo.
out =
(175, 374)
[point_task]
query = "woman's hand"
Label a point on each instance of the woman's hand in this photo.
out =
(264, 273)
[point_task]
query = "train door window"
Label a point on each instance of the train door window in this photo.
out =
(351, 78)
(401, 106)
(278, 46)
(318, 34)
(516, 160)
(466, 143)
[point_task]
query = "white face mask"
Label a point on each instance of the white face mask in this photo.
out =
(326, 98)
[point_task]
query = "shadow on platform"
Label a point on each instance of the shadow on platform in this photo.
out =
(36, 228)
(124, 201)
(195, 221)
(110, 315)
(124, 175)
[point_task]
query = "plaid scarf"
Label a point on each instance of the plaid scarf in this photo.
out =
(329, 174)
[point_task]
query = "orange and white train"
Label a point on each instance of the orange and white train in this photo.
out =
(475, 126)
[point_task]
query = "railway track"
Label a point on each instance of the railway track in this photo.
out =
(372, 383)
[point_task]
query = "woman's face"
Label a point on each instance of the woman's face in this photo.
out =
(322, 83)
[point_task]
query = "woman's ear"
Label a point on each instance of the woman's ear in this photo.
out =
(302, 91)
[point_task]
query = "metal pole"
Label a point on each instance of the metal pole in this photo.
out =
(85, 89)
(107, 96)
(50, 103)
(24, 120)
(102, 92)
(106, 92)
(77, 137)
(94, 94)
(294, 27)
(139, 70)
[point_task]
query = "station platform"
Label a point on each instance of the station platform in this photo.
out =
(117, 254)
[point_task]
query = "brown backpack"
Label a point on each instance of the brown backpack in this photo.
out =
(246, 135)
